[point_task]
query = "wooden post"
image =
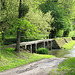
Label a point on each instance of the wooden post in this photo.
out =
(51, 45)
(36, 47)
(31, 48)
(48, 44)
(25, 47)
(44, 44)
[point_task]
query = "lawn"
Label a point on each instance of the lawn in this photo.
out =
(11, 59)
(65, 68)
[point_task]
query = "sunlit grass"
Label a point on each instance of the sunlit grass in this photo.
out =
(65, 68)
(69, 45)
(11, 59)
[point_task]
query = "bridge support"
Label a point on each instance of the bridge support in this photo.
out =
(34, 45)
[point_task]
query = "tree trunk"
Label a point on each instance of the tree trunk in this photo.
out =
(0, 49)
(0, 24)
(3, 29)
(2, 36)
(17, 49)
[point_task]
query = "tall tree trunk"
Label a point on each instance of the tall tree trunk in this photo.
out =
(0, 24)
(17, 49)
(18, 41)
(3, 34)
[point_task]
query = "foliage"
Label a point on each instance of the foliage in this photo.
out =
(40, 20)
(60, 15)
(26, 27)
(59, 33)
(23, 10)
(69, 6)
(9, 11)
(10, 59)
(35, 16)
(71, 34)
(9, 41)
(43, 51)
(48, 16)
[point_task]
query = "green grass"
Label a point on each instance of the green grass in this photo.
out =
(58, 38)
(11, 59)
(68, 67)
(69, 45)
(65, 68)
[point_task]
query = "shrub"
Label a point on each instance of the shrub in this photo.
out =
(59, 33)
(42, 51)
(9, 41)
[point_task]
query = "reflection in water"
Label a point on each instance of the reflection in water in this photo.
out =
(63, 53)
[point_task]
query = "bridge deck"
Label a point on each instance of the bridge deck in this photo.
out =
(34, 42)
(34, 45)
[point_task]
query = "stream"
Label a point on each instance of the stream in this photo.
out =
(63, 52)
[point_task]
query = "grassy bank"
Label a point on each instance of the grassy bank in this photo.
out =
(69, 45)
(66, 68)
(62, 43)
(10, 59)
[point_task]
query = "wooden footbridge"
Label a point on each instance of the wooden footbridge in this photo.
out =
(32, 46)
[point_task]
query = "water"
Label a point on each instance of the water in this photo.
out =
(63, 53)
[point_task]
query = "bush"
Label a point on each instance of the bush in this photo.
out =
(59, 33)
(9, 41)
(42, 51)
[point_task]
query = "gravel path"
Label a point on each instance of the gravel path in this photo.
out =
(41, 67)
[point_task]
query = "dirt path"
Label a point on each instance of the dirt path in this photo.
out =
(41, 67)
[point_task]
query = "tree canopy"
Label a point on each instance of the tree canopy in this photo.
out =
(37, 19)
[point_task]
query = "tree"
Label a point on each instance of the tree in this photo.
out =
(69, 6)
(40, 20)
(8, 13)
(58, 13)
(22, 13)
(0, 31)
(18, 33)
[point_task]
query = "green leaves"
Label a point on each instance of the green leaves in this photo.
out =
(25, 26)
(40, 15)
(61, 11)
(23, 9)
